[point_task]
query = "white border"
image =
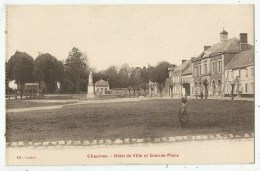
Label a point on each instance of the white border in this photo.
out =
(255, 166)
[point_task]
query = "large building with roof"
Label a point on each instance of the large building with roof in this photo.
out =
(208, 68)
(240, 73)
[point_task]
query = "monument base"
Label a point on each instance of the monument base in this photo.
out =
(90, 93)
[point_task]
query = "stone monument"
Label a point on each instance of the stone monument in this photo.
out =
(90, 93)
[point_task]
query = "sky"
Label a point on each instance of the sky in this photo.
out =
(116, 34)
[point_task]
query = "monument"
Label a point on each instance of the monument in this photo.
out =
(90, 93)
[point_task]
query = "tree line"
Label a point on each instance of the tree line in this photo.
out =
(72, 74)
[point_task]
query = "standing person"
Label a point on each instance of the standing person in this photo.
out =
(183, 114)
(201, 94)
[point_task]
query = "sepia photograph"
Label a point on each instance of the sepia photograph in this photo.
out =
(130, 84)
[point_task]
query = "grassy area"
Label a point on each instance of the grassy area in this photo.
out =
(18, 103)
(151, 118)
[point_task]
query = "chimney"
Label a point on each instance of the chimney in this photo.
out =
(206, 47)
(243, 41)
(223, 35)
(182, 61)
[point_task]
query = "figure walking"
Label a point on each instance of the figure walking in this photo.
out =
(183, 114)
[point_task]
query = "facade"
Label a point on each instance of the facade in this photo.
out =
(208, 68)
(101, 87)
(181, 78)
(32, 89)
(240, 73)
(169, 81)
(187, 80)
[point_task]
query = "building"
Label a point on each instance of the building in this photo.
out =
(187, 80)
(101, 87)
(182, 79)
(208, 68)
(169, 81)
(32, 89)
(240, 73)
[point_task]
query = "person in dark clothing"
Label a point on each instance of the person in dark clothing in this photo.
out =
(183, 114)
(201, 95)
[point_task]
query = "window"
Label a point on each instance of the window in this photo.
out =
(205, 68)
(199, 69)
(246, 88)
(252, 87)
(252, 72)
(219, 66)
(213, 67)
(232, 75)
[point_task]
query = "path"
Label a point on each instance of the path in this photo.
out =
(77, 103)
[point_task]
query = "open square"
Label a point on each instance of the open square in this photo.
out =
(150, 118)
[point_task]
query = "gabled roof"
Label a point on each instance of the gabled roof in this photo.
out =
(230, 45)
(187, 71)
(183, 67)
(242, 59)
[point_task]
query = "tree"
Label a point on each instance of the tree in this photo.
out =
(7, 81)
(144, 86)
(160, 87)
(20, 68)
(145, 75)
(49, 70)
(124, 76)
(129, 89)
(160, 72)
(99, 75)
(112, 76)
(135, 79)
(76, 67)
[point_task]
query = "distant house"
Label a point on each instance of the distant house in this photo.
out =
(182, 79)
(209, 65)
(169, 81)
(101, 87)
(240, 72)
(32, 89)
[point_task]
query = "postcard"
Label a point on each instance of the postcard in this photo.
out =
(130, 84)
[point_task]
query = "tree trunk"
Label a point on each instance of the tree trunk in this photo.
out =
(206, 92)
(129, 92)
(232, 92)
(77, 86)
(21, 93)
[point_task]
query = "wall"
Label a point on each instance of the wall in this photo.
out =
(246, 80)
